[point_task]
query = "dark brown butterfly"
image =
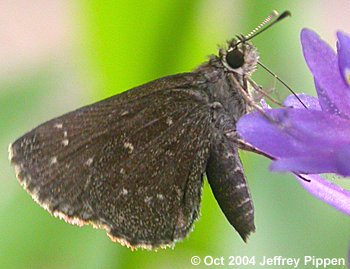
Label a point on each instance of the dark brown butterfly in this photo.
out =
(133, 164)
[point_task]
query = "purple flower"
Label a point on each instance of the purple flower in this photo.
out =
(317, 139)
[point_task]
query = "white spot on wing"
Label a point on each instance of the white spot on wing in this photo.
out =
(58, 125)
(169, 121)
(148, 199)
(53, 160)
(89, 161)
(65, 142)
(129, 147)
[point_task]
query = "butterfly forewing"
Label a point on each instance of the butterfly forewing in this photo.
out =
(145, 154)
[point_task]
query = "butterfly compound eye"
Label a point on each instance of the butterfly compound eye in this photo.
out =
(235, 58)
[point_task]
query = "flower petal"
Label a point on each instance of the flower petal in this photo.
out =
(262, 134)
(333, 93)
(309, 101)
(307, 141)
(327, 192)
(343, 47)
(342, 158)
(308, 164)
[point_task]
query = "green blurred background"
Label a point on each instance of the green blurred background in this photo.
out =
(59, 55)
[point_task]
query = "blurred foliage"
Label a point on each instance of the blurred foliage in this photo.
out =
(126, 43)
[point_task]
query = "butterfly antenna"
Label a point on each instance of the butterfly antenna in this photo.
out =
(272, 19)
(283, 83)
(273, 15)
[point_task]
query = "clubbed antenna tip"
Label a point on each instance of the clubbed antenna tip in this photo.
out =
(283, 15)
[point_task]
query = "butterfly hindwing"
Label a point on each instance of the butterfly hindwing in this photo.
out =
(167, 174)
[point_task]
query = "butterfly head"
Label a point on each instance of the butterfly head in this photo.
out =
(241, 57)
